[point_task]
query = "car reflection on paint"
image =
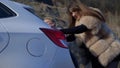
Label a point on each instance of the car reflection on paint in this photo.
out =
(27, 42)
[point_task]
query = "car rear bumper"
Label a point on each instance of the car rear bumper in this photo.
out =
(62, 59)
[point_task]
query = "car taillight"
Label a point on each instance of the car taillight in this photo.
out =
(56, 36)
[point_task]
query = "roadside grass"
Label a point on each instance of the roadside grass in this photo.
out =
(114, 23)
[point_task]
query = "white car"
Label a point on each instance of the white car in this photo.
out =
(27, 42)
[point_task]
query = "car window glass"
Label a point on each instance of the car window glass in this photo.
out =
(30, 10)
(5, 12)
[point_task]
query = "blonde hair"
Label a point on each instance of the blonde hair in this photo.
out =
(49, 18)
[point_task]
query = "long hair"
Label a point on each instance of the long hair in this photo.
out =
(84, 11)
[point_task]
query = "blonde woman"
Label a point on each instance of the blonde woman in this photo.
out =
(88, 25)
(50, 22)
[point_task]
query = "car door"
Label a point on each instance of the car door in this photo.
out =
(4, 38)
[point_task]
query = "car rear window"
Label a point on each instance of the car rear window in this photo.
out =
(30, 10)
(5, 12)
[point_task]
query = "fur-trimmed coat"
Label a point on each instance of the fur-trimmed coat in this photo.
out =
(99, 39)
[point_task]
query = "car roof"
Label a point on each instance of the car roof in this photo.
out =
(21, 12)
(23, 17)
